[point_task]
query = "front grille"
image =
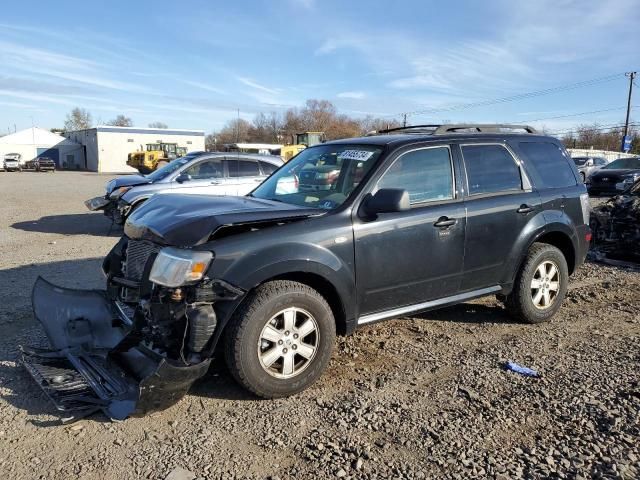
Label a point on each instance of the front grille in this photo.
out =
(138, 252)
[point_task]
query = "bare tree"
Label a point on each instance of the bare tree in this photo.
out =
(234, 131)
(158, 125)
(211, 142)
(78, 119)
(266, 128)
(121, 121)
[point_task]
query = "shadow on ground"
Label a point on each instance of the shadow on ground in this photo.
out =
(469, 313)
(95, 224)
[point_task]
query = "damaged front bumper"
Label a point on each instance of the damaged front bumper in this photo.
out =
(116, 210)
(96, 360)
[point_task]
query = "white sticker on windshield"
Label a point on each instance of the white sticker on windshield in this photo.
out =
(358, 155)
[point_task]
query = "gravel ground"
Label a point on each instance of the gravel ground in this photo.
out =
(423, 397)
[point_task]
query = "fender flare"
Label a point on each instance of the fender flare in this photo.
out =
(247, 273)
(535, 230)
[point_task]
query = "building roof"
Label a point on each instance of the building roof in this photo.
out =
(35, 136)
(154, 131)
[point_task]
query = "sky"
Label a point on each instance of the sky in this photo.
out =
(195, 64)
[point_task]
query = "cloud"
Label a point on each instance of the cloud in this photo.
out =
(205, 86)
(251, 83)
(356, 95)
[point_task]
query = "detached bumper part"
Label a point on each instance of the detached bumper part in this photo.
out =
(94, 364)
(97, 203)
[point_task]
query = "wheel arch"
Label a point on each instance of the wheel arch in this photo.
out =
(562, 241)
(558, 234)
(325, 288)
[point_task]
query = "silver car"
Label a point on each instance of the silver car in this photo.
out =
(12, 163)
(195, 173)
(587, 165)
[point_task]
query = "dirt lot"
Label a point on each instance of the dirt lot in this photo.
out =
(424, 397)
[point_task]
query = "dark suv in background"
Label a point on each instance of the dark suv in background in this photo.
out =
(412, 219)
(616, 177)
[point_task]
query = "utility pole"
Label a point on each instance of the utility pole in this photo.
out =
(404, 119)
(626, 143)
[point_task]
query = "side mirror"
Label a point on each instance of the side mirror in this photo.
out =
(387, 200)
(589, 163)
(183, 177)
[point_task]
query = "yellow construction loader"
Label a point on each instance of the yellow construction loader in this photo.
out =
(155, 156)
(301, 141)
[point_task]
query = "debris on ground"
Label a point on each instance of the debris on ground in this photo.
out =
(526, 371)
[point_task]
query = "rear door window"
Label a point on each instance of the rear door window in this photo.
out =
(205, 169)
(490, 169)
(426, 174)
(243, 168)
(552, 167)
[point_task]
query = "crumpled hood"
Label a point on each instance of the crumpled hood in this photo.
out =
(126, 181)
(189, 220)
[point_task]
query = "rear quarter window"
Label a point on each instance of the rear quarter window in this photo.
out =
(550, 164)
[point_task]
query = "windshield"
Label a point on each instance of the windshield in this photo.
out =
(169, 168)
(624, 163)
(320, 177)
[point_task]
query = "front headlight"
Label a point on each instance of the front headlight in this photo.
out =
(631, 178)
(174, 267)
(116, 194)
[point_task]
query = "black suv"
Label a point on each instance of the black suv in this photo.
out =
(413, 219)
(616, 177)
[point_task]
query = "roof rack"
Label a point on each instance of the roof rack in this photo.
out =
(457, 128)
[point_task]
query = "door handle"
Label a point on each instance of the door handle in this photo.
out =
(257, 180)
(215, 182)
(444, 222)
(524, 208)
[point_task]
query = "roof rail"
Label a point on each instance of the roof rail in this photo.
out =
(456, 128)
(418, 128)
(480, 127)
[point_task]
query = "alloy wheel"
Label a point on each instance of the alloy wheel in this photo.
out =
(288, 343)
(545, 285)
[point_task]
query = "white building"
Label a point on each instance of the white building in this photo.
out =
(107, 148)
(37, 142)
(608, 155)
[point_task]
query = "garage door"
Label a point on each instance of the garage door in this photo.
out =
(52, 153)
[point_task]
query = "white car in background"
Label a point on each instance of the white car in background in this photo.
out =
(11, 162)
(200, 173)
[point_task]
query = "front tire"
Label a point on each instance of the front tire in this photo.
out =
(280, 339)
(540, 286)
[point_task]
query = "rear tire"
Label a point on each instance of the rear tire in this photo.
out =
(280, 339)
(584, 177)
(540, 286)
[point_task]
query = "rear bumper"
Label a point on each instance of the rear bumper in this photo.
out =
(583, 244)
(96, 362)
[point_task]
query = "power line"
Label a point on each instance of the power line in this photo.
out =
(598, 128)
(521, 96)
(573, 114)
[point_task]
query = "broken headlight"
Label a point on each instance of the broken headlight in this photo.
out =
(117, 193)
(174, 267)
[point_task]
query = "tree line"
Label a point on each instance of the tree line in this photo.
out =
(599, 138)
(280, 128)
(322, 116)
